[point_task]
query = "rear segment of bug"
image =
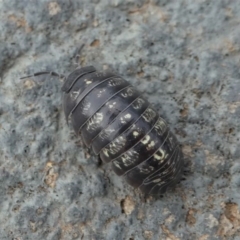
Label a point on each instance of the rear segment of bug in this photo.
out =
(122, 127)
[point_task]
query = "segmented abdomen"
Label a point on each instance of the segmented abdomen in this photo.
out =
(121, 126)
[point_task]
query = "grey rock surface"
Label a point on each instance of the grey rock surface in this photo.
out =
(183, 55)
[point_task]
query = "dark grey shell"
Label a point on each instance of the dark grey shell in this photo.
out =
(122, 127)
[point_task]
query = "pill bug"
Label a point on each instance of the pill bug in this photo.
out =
(122, 128)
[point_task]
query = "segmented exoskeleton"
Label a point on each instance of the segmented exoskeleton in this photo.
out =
(123, 128)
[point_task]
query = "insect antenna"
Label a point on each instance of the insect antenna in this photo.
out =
(42, 73)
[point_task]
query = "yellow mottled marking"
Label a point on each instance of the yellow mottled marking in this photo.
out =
(138, 103)
(160, 126)
(135, 133)
(147, 170)
(162, 155)
(126, 160)
(151, 144)
(100, 92)
(123, 119)
(149, 115)
(117, 145)
(88, 81)
(115, 82)
(157, 180)
(74, 95)
(117, 164)
(128, 116)
(130, 91)
(146, 139)
(86, 107)
(105, 152)
(112, 105)
(109, 130)
(94, 121)
(124, 95)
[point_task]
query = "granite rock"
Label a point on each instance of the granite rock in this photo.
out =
(183, 55)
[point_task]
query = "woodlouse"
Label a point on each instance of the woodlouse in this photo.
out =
(122, 127)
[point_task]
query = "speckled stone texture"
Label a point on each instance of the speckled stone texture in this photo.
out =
(184, 55)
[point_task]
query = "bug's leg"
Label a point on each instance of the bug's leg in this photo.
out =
(77, 57)
(76, 61)
(100, 162)
(187, 169)
(143, 197)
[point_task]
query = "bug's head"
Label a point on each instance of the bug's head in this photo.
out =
(74, 76)
(71, 91)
